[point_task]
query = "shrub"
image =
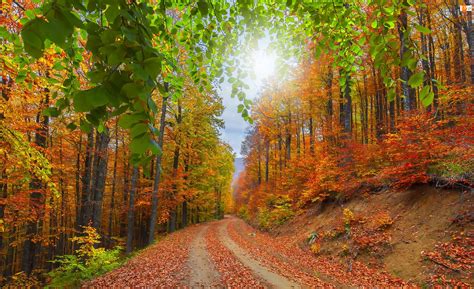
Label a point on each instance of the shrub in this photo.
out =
(244, 213)
(276, 212)
(89, 262)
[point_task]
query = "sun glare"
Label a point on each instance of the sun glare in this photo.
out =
(264, 64)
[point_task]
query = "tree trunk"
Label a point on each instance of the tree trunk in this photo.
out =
(177, 150)
(259, 171)
(458, 56)
(173, 216)
(78, 183)
(405, 73)
(131, 211)
(329, 107)
(99, 177)
(184, 214)
(311, 134)
(267, 159)
(288, 139)
(126, 190)
(86, 206)
(347, 108)
(470, 37)
(156, 183)
(114, 180)
(432, 65)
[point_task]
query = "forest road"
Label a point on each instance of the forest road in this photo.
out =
(208, 255)
(260, 271)
(202, 271)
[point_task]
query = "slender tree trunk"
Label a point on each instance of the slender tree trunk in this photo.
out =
(86, 206)
(311, 128)
(78, 183)
(303, 135)
(432, 66)
(470, 37)
(100, 175)
(131, 211)
(173, 213)
(3, 174)
(267, 159)
(347, 108)
(365, 113)
(329, 107)
(114, 180)
(458, 56)
(177, 150)
(259, 172)
(184, 214)
(298, 141)
(218, 212)
(288, 139)
(405, 73)
(63, 213)
(156, 183)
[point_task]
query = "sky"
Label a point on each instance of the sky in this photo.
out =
(263, 64)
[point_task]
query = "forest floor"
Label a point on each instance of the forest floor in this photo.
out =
(231, 253)
(422, 236)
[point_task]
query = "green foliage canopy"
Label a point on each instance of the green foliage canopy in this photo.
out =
(139, 47)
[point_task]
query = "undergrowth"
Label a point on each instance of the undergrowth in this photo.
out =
(88, 262)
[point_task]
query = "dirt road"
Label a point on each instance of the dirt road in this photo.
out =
(230, 253)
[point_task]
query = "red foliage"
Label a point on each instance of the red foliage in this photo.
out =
(455, 256)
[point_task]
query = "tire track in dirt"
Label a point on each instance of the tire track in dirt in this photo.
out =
(203, 273)
(271, 257)
(233, 273)
(272, 279)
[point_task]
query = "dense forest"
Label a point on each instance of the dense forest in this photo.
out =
(324, 134)
(111, 120)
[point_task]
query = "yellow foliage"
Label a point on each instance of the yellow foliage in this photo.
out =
(316, 248)
(348, 216)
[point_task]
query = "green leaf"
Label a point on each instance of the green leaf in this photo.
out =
(33, 37)
(416, 79)
(101, 128)
(51, 111)
(71, 126)
(132, 89)
(138, 130)
(85, 126)
(423, 29)
(117, 56)
(57, 30)
(155, 147)
(152, 66)
(128, 120)
(87, 100)
(426, 96)
(203, 7)
(391, 95)
(139, 145)
(20, 77)
(390, 24)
